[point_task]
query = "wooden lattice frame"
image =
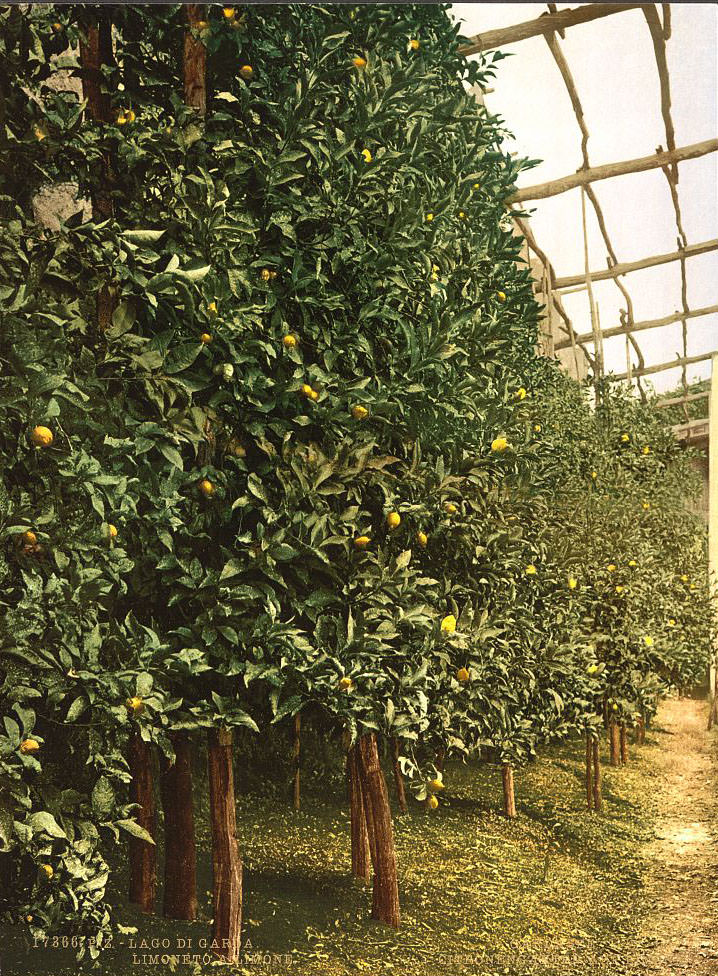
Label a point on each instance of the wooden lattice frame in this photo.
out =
(550, 24)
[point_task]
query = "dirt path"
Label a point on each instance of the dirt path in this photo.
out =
(680, 932)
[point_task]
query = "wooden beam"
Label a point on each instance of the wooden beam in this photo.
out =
(584, 176)
(649, 370)
(642, 326)
(547, 22)
(620, 269)
(680, 400)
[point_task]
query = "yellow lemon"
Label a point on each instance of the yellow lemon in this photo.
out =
(264, 274)
(499, 444)
(422, 539)
(246, 71)
(111, 531)
(314, 396)
(202, 25)
(393, 520)
(646, 449)
(414, 44)
(531, 570)
(429, 217)
(206, 487)
(130, 115)
(462, 675)
(648, 641)
(135, 705)
(345, 683)
(41, 436)
(477, 186)
(359, 62)
(462, 215)
(625, 438)
(289, 341)
(212, 308)
(29, 538)
(450, 508)
(359, 412)
(501, 295)
(615, 707)
(435, 785)
(121, 119)
(48, 870)
(432, 802)
(611, 567)
(684, 578)
(306, 390)
(28, 746)
(366, 153)
(594, 475)
(362, 541)
(520, 393)
(572, 582)
(632, 563)
(205, 338)
(592, 668)
(619, 589)
(671, 622)
(57, 27)
(646, 506)
(228, 13)
(448, 624)
(537, 428)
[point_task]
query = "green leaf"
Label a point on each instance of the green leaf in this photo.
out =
(134, 828)
(44, 822)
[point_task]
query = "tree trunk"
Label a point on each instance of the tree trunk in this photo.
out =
(180, 895)
(385, 899)
(624, 744)
(195, 61)
(142, 855)
(597, 798)
(398, 777)
(95, 52)
(360, 838)
(589, 771)
(613, 740)
(440, 757)
(507, 780)
(295, 759)
(226, 862)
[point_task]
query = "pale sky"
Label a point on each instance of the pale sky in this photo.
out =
(613, 65)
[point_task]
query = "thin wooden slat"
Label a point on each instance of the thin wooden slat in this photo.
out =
(502, 36)
(628, 266)
(585, 176)
(620, 330)
(677, 401)
(650, 370)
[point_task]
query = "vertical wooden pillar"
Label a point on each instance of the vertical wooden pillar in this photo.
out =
(398, 777)
(359, 835)
(226, 862)
(624, 744)
(713, 508)
(142, 855)
(180, 894)
(295, 759)
(195, 60)
(597, 797)
(385, 898)
(507, 781)
(613, 742)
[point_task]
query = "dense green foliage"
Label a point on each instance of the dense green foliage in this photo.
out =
(333, 237)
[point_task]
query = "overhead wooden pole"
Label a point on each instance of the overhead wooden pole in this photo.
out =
(649, 370)
(677, 401)
(547, 22)
(620, 330)
(628, 266)
(594, 173)
(713, 501)
(598, 344)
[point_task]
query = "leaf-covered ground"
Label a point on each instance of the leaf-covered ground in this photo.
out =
(558, 892)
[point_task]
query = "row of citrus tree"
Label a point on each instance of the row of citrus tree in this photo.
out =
(277, 442)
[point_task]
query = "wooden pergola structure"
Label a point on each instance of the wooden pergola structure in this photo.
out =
(551, 25)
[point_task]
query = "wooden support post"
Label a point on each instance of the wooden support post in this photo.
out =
(361, 857)
(226, 862)
(597, 796)
(507, 782)
(195, 60)
(713, 505)
(142, 855)
(295, 759)
(385, 898)
(624, 744)
(597, 340)
(398, 777)
(589, 771)
(180, 893)
(613, 742)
